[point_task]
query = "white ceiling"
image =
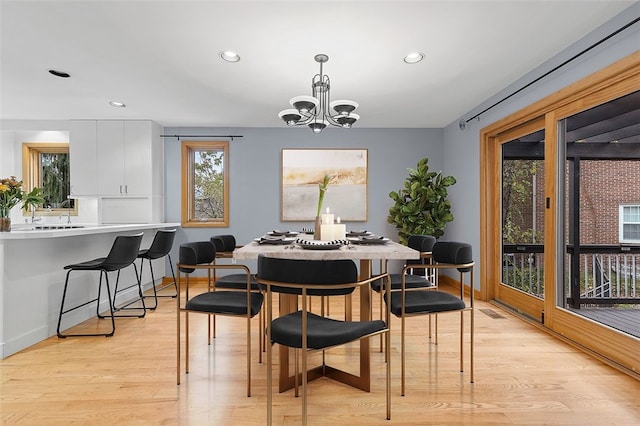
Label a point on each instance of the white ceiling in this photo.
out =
(161, 57)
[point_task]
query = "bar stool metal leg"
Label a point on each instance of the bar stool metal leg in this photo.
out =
(97, 299)
(127, 305)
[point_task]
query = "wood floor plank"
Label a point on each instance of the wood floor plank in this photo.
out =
(522, 376)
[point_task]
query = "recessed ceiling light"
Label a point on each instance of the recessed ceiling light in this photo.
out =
(117, 104)
(60, 74)
(414, 57)
(229, 56)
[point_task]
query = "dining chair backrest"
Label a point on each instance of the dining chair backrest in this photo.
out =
(162, 243)
(421, 243)
(196, 253)
(123, 253)
(308, 272)
(453, 253)
(224, 243)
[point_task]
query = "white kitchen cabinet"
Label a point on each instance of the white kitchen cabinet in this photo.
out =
(83, 158)
(126, 152)
(126, 171)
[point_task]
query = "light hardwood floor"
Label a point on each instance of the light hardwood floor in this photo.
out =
(522, 376)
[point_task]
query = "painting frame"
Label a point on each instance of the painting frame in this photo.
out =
(302, 170)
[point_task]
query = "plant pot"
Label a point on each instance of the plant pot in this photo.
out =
(5, 224)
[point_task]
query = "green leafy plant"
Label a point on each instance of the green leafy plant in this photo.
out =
(421, 207)
(322, 188)
(11, 194)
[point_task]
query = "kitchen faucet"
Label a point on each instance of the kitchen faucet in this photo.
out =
(68, 213)
(34, 219)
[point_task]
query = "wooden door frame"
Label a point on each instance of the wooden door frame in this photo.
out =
(616, 80)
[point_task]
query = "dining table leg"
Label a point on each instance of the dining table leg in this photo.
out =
(289, 303)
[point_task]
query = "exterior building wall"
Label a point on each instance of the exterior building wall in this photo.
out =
(604, 186)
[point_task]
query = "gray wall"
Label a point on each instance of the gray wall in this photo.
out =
(254, 167)
(255, 159)
(462, 148)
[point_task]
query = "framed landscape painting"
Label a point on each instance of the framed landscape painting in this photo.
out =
(304, 169)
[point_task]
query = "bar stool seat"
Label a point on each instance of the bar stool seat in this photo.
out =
(123, 253)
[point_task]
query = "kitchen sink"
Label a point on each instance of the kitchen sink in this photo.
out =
(50, 227)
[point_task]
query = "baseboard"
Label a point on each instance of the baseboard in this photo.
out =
(447, 280)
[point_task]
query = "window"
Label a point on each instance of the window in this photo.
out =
(46, 165)
(205, 184)
(630, 224)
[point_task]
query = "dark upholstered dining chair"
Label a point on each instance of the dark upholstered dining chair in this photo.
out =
(305, 331)
(241, 303)
(409, 302)
(423, 244)
(413, 278)
(225, 245)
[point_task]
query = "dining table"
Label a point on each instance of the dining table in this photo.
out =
(363, 252)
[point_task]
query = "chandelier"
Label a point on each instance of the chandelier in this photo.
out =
(317, 110)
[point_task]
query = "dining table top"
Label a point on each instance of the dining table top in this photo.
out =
(390, 250)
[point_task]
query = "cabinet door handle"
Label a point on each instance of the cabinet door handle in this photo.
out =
(121, 189)
(126, 189)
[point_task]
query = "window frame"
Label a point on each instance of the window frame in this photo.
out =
(188, 195)
(621, 223)
(32, 168)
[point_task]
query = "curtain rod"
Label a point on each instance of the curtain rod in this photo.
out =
(463, 122)
(201, 136)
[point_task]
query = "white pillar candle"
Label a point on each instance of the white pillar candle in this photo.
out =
(339, 231)
(327, 219)
(326, 232)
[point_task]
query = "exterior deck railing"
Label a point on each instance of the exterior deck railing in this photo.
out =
(606, 274)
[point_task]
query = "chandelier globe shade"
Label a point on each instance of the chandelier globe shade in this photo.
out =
(318, 111)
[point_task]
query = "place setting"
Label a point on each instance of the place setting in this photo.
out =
(277, 237)
(322, 245)
(365, 237)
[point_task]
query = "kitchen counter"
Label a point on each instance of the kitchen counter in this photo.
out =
(32, 277)
(33, 231)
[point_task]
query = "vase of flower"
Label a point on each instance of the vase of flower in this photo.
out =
(316, 229)
(11, 194)
(5, 224)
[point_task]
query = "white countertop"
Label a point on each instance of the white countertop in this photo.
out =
(22, 231)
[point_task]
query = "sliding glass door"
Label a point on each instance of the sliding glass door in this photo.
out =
(601, 186)
(522, 218)
(560, 214)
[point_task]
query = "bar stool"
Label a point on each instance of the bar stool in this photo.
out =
(159, 248)
(123, 253)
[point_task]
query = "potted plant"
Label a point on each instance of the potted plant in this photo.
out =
(11, 194)
(421, 207)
